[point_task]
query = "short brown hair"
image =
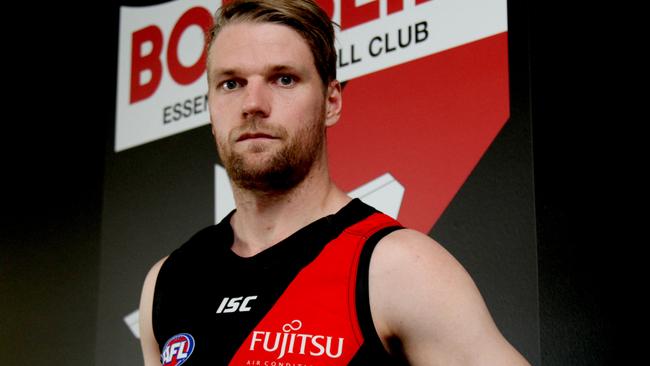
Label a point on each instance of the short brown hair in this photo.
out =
(303, 16)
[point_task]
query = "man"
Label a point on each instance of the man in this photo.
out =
(300, 274)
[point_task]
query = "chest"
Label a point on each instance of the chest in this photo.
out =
(278, 311)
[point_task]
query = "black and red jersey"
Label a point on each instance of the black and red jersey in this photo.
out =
(303, 301)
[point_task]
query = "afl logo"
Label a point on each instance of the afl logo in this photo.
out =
(177, 349)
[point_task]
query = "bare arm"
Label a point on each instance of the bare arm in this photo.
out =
(422, 296)
(150, 349)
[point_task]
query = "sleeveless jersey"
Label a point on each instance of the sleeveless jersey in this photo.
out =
(302, 302)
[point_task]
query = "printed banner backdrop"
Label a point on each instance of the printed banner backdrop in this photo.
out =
(426, 136)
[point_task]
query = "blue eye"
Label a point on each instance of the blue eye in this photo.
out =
(286, 80)
(229, 85)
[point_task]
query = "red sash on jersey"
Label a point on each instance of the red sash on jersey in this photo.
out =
(314, 322)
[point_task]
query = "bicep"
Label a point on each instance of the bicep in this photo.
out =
(150, 349)
(427, 300)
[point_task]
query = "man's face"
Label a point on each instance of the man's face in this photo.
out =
(267, 105)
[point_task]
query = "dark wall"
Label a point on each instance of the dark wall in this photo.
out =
(57, 108)
(574, 136)
(61, 107)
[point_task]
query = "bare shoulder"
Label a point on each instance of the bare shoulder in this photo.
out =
(148, 287)
(408, 256)
(150, 282)
(152, 275)
(148, 342)
(423, 297)
(414, 248)
(407, 268)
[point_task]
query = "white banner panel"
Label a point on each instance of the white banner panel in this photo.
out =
(161, 78)
(157, 97)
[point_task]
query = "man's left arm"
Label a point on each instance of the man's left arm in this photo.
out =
(421, 296)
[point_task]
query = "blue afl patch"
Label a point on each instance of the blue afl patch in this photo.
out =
(177, 349)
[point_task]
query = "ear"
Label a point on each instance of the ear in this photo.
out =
(333, 103)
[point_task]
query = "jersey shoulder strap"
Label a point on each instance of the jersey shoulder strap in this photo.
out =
(372, 352)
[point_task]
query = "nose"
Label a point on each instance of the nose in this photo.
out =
(257, 99)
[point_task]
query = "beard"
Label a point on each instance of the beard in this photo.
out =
(286, 168)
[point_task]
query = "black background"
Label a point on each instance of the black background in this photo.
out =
(60, 64)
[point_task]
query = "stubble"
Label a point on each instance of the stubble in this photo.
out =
(286, 168)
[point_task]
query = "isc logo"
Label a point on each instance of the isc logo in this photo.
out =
(177, 349)
(231, 305)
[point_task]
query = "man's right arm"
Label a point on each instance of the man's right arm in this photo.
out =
(150, 349)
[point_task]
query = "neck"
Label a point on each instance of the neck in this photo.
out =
(263, 219)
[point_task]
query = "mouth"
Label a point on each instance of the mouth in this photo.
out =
(255, 136)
